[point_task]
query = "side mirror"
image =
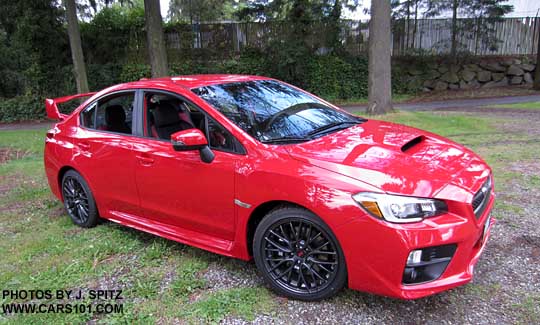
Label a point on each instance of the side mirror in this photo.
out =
(192, 139)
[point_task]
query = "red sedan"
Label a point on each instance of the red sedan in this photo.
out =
(251, 167)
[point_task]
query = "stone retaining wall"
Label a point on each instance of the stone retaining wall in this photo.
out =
(484, 73)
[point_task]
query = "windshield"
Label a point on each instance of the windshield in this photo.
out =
(271, 111)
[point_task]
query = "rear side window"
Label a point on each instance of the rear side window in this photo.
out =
(88, 117)
(113, 114)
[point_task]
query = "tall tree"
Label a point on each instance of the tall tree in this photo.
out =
(536, 84)
(484, 12)
(380, 48)
(155, 39)
(79, 68)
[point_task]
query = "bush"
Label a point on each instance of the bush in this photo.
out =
(22, 108)
(333, 78)
(134, 72)
(328, 76)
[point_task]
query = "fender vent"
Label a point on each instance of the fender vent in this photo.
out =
(412, 143)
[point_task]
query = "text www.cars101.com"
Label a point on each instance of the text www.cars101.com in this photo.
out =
(29, 308)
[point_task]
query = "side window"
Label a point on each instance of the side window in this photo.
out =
(221, 139)
(113, 113)
(88, 117)
(166, 114)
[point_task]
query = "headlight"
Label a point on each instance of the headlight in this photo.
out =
(401, 209)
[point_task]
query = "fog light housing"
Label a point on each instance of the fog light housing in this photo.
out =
(415, 257)
(427, 264)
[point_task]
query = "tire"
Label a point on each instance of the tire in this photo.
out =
(298, 255)
(78, 200)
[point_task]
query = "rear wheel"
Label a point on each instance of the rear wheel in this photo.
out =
(78, 200)
(298, 255)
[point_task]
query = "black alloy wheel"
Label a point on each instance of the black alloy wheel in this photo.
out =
(78, 200)
(298, 255)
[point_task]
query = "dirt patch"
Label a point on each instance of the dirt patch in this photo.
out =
(7, 154)
(531, 168)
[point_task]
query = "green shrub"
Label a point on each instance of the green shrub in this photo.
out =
(134, 72)
(334, 78)
(329, 76)
(22, 108)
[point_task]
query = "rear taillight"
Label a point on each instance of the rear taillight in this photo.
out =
(50, 133)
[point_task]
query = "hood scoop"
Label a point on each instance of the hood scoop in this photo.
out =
(415, 141)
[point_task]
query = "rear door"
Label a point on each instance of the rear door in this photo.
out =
(103, 152)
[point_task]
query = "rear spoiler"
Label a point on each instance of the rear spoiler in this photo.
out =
(51, 105)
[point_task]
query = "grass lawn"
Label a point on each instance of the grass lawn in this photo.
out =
(530, 105)
(164, 281)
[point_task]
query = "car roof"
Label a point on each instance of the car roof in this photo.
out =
(195, 81)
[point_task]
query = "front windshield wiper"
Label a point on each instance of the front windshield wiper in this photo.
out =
(333, 127)
(289, 139)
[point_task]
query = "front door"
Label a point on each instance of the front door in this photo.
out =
(177, 188)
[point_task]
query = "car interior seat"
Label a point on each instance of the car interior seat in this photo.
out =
(115, 117)
(167, 121)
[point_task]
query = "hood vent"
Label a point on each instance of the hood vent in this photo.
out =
(412, 143)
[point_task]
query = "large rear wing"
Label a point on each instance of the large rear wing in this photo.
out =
(51, 105)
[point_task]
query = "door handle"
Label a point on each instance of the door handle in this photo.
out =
(145, 160)
(84, 146)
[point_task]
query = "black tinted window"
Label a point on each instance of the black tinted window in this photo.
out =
(113, 113)
(268, 110)
(219, 138)
(88, 117)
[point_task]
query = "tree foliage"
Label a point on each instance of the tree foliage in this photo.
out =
(34, 43)
(483, 14)
(193, 11)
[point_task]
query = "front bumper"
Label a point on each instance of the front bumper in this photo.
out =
(376, 260)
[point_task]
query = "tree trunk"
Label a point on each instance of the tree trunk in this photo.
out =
(536, 84)
(415, 24)
(380, 48)
(453, 49)
(155, 39)
(408, 22)
(79, 69)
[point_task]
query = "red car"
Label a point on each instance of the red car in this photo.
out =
(251, 167)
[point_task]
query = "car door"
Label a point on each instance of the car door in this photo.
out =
(103, 153)
(178, 189)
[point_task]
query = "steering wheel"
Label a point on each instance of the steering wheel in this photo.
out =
(290, 111)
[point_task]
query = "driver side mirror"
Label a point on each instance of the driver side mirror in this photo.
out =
(192, 139)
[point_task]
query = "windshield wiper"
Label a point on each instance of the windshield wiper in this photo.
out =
(290, 139)
(333, 127)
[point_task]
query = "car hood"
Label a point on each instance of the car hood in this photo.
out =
(395, 158)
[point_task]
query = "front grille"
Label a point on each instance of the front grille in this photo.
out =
(481, 198)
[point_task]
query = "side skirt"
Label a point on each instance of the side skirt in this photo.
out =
(184, 236)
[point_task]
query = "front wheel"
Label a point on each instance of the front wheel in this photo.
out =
(78, 200)
(298, 255)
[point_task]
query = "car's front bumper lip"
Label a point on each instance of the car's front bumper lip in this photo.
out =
(448, 282)
(377, 266)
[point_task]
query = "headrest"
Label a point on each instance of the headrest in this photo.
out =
(115, 114)
(165, 114)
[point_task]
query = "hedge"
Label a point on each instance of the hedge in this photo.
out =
(331, 77)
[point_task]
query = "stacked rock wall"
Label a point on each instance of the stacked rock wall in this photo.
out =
(481, 73)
